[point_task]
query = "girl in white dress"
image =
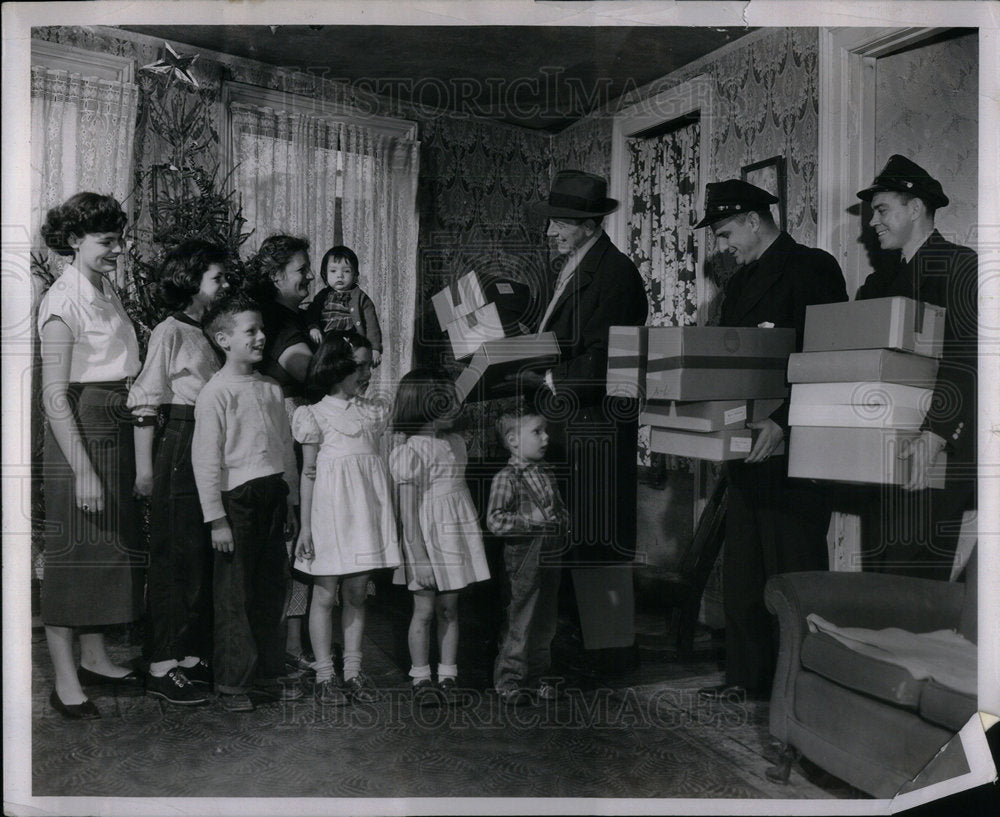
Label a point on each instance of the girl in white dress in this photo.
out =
(442, 541)
(348, 525)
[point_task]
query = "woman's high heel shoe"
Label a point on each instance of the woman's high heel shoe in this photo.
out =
(87, 711)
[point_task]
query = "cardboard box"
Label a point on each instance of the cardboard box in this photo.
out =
(489, 322)
(717, 363)
(884, 365)
(862, 395)
(718, 446)
(488, 375)
(881, 323)
(470, 292)
(861, 455)
(848, 416)
(627, 350)
(710, 415)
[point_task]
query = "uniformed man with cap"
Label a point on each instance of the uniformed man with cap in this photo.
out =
(773, 524)
(915, 531)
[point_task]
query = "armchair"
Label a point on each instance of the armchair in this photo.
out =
(866, 721)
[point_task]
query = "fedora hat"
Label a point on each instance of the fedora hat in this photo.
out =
(732, 198)
(901, 175)
(575, 194)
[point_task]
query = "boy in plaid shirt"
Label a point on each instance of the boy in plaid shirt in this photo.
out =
(525, 509)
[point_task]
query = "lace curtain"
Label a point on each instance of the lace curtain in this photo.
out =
(82, 136)
(291, 169)
(663, 191)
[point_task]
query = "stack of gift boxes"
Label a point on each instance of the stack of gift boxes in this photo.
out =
(861, 388)
(486, 324)
(702, 385)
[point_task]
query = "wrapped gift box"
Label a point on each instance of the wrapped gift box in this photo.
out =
(881, 323)
(862, 394)
(462, 296)
(469, 293)
(490, 322)
(708, 415)
(865, 455)
(884, 365)
(728, 444)
(627, 349)
(717, 363)
(488, 375)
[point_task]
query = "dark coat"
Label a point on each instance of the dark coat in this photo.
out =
(593, 439)
(773, 524)
(778, 287)
(943, 274)
(605, 290)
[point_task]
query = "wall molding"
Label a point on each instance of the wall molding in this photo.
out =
(59, 57)
(245, 94)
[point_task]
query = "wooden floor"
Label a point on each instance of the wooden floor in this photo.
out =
(645, 734)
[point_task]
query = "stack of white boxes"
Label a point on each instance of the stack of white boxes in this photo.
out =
(486, 321)
(702, 385)
(861, 388)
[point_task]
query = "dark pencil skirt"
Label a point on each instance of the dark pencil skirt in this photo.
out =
(93, 566)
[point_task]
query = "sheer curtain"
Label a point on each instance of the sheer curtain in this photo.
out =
(291, 169)
(82, 137)
(380, 224)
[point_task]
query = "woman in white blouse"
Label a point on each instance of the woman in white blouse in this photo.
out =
(93, 575)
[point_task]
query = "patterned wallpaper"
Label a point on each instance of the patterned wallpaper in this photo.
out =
(765, 103)
(585, 145)
(927, 97)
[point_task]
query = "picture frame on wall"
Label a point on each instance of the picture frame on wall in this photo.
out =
(769, 174)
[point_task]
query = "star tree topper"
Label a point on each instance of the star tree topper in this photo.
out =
(173, 66)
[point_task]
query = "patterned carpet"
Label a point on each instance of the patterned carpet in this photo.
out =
(641, 735)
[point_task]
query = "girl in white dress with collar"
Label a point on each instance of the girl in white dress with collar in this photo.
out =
(442, 539)
(348, 525)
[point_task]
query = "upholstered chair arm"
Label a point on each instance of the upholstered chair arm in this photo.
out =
(872, 600)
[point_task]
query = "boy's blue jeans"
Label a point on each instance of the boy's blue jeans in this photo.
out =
(532, 610)
(249, 586)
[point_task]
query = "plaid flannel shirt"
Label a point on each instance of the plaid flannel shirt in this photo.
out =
(524, 501)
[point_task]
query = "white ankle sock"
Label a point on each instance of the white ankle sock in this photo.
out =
(420, 673)
(161, 668)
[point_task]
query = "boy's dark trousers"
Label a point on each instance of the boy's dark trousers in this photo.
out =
(249, 586)
(533, 572)
(180, 551)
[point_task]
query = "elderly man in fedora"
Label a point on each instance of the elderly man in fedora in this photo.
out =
(917, 534)
(773, 524)
(593, 439)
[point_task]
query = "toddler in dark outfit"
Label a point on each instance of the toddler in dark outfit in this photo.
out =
(342, 306)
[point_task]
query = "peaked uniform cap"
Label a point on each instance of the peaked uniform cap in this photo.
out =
(902, 175)
(732, 198)
(575, 194)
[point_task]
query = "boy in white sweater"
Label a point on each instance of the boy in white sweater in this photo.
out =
(244, 467)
